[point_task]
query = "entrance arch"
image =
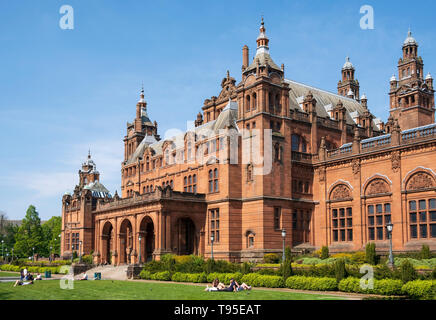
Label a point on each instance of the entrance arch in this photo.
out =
(186, 237)
(146, 230)
(107, 237)
(126, 242)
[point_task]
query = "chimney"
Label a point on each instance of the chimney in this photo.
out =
(245, 57)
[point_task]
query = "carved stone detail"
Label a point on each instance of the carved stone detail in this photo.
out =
(322, 174)
(377, 186)
(356, 166)
(396, 161)
(340, 192)
(420, 180)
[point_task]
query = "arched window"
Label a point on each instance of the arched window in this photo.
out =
(189, 151)
(278, 105)
(250, 238)
(189, 183)
(270, 102)
(194, 183)
(147, 164)
(247, 106)
(213, 180)
(254, 101)
(216, 180)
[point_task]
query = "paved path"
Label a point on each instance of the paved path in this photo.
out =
(109, 272)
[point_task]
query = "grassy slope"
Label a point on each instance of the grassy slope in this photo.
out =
(127, 290)
(9, 274)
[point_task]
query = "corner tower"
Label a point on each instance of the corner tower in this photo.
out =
(139, 128)
(348, 86)
(411, 96)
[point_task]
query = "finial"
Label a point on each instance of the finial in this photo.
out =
(261, 20)
(89, 153)
(228, 74)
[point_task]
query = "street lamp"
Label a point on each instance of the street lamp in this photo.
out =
(3, 250)
(49, 255)
(12, 254)
(33, 254)
(212, 239)
(80, 251)
(72, 256)
(7, 257)
(283, 236)
(389, 228)
(139, 254)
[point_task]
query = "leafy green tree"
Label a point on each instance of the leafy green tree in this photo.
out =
(52, 230)
(30, 235)
(340, 270)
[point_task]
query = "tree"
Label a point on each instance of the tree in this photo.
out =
(370, 254)
(324, 252)
(52, 230)
(425, 252)
(287, 264)
(30, 235)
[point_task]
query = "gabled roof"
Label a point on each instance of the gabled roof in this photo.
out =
(325, 101)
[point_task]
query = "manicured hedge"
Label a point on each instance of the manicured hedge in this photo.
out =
(258, 280)
(224, 277)
(8, 267)
(312, 283)
(189, 277)
(420, 289)
(383, 287)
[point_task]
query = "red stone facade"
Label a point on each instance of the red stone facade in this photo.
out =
(327, 171)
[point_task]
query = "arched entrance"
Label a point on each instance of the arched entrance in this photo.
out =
(146, 230)
(107, 237)
(126, 242)
(186, 239)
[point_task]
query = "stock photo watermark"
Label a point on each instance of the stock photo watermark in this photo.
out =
(367, 20)
(66, 22)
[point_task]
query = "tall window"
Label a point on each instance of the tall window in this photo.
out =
(277, 218)
(422, 218)
(379, 215)
(294, 219)
(214, 225)
(75, 241)
(295, 141)
(342, 224)
(67, 241)
(213, 180)
(190, 183)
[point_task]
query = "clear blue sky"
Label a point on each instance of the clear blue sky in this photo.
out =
(64, 91)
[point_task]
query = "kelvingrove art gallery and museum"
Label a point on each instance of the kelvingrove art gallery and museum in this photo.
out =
(269, 154)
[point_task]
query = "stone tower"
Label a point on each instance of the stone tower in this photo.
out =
(411, 96)
(348, 86)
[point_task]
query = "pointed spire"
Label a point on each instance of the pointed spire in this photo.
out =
(410, 40)
(262, 39)
(347, 64)
(141, 95)
(89, 153)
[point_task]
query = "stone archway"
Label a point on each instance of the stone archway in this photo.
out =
(146, 230)
(187, 242)
(107, 240)
(126, 242)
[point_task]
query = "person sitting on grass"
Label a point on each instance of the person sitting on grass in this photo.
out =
(243, 287)
(232, 287)
(84, 276)
(214, 286)
(22, 283)
(38, 276)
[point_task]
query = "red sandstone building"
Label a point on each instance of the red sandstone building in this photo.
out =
(336, 176)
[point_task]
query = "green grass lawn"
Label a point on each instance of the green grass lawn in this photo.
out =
(9, 274)
(130, 290)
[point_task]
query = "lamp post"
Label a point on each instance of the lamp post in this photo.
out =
(12, 254)
(139, 254)
(284, 237)
(7, 257)
(389, 228)
(212, 239)
(3, 250)
(72, 256)
(33, 254)
(80, 251)
(49, 254)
